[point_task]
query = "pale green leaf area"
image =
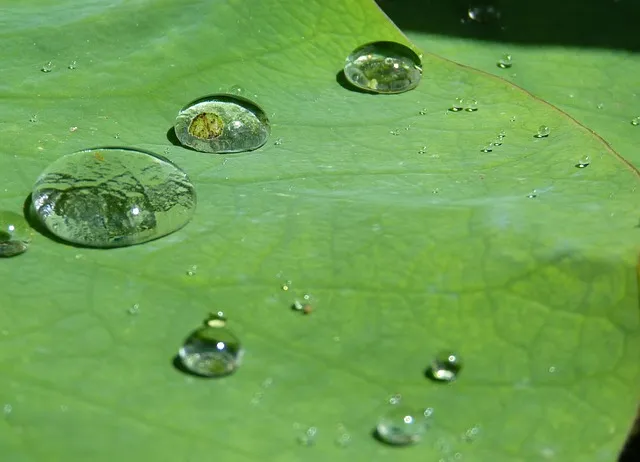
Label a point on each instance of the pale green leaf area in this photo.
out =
(404, 252)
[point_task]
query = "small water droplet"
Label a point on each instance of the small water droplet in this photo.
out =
(117, 136)
(134, 309)
(212, 350)
(146, 197)
(235, 90)
(401, 426)
(72, 65)
(15, 234)
(344, 439)
(33, 118)
(222, 124)
(458, 105)
(7, 409)
(533, 194)
(423, 150)
(383, 67)
(543, 132)
(600, 106)
(445, 367)
(395, 399)
(73, 129)
(635, 121)
(286, 286)
(484, 14)
(192, 270)
(497, 141)
(278, 142)
(487, 148)
(583, 162)
(308, 438)
(470, 105)
(48, 67)
(471, 434)
(395, 132)
(512, 119)
(423, 111)
(505, 62)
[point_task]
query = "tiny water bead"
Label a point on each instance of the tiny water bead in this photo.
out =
(458, 105)
(543, 132)
(445, 367)
(471, 105)
(212, 350)
(484, 14)
(487, 148)
(48, 67)
(635, 121)
(72, 65)
(402, 426)
(15, 234)
(308, 438)
(505, 62)
(383, 67)
(193, 269)
(583, 162)
(113, 197)
(533, 194)
(222, 123)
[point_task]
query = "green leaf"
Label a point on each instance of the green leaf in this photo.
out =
(405, 250)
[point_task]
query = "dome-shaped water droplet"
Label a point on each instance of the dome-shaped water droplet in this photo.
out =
(635, 121)
(48, 67)
(113, 197)
(383, 67)
(445, 367)
(505, 62)
(583, 162)
(543, 132)
(483, 13)
(470, 105)
(15, 234)
(401, 426)
(458, 105)
(212, 350)
(221, 124)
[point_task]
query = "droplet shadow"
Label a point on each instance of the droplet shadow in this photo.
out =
(341, 79)
(173, 138)
(375, 434)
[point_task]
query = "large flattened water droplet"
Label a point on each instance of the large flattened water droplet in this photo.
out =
(15, 234)
(212, 350)
(221, 124)
(383, 67)
(113, 197)
(401, 426)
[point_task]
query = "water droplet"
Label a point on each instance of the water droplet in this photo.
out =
(533, 194)
(113, 197)
(395, 132)
(423, 150)
(278, 142)
(445, 367)
(117, 136)
(72, 65)
(497, 141)
(212, 350)
(543, 132)
(134, 309)
(458, 105)
(401, 426)
(33, 118)
(235, 90)
(505, 62)
(7, 409)
(471, 105)
(395, 399)
(635, 121)
(222, 124)
(192, 270)
(423, 111)
(600, 106)
(344, 438)
(15, 234)
(487, 148)
(73, 129)
(308, 438)
(483, 14)
(583, 162)
(286, 286)
(383, 67)
(48, 67)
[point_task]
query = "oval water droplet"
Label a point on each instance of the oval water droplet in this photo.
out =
(470, 105)
(583, 162)
(192, 270)
(543, 132)
(222, 124)
(15, 234)
(212, 350)
(487, 148)
(383, 67)
(134, 309)
(458, 105)
(72, 65)
(635, 121)
(483, 14)
(445, 367)
(505, 62)
(113, 197)
(308, 438)
(401, 426)
(533, 194)
(48, 67)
